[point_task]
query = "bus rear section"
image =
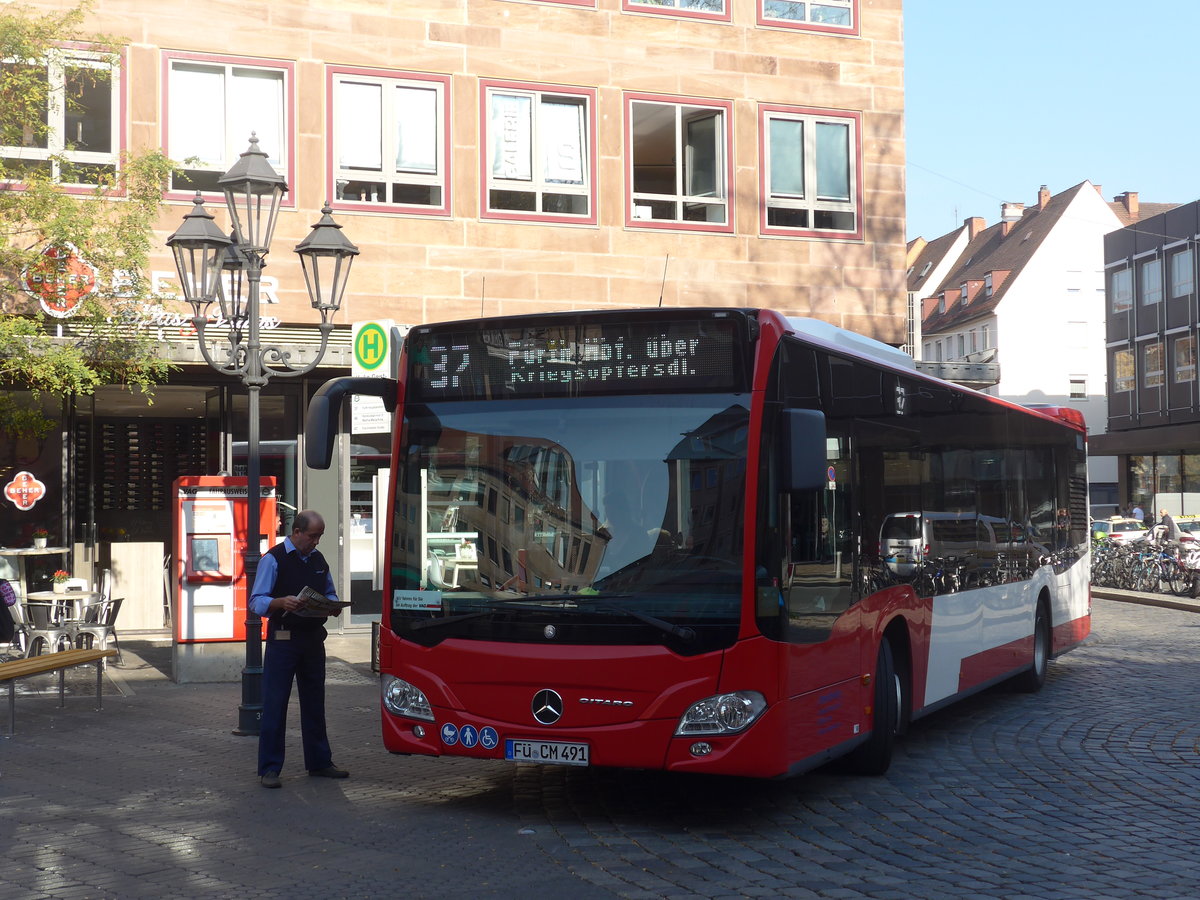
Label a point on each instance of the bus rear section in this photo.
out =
(651, 538)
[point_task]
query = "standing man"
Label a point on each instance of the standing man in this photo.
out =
(1171, 530)
(295, 649)
(1137, 513)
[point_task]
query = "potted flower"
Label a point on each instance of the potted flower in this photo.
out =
(40, 537)
(61, 577)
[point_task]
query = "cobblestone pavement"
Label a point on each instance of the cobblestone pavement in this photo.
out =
(1086, 790)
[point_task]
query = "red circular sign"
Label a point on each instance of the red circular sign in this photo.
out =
(60, 279)
(24, 490)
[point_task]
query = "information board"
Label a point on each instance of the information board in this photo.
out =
(574, 357)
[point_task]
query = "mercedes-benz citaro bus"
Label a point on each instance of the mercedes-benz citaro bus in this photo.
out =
(650, 538)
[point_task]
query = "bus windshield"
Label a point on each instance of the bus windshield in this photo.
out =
(620, 515)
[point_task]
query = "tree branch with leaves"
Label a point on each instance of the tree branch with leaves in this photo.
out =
(57, 189)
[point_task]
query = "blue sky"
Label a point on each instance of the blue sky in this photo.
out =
(1004, 97)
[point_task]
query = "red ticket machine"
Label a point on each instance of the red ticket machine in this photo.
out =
(209, 541)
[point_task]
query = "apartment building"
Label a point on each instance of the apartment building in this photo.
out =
(487, 157)
(1151, 322)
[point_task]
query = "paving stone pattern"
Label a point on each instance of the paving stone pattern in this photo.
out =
(1086, 790)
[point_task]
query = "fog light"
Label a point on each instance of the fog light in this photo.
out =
(419, 731)
(701, 748)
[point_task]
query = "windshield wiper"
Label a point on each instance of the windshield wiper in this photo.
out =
(685, 634)
(424, 624)
(494, 605)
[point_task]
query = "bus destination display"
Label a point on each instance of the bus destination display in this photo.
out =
(570, 359)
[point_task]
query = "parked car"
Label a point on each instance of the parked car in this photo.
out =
(1121, 530)
(1189, 528)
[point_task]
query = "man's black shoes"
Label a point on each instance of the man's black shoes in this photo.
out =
(329, 772)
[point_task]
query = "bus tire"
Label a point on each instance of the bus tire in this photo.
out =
(1031, 680)
(875, 755)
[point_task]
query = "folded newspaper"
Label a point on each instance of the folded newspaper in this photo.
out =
(317, 604)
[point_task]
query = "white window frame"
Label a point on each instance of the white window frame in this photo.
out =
(1120, 287)
(1124, 371)
(232, 138)
(1152, 355)
(1185, 347)
(1183, 277)
(708, 10)
(355, 128)
(530, 138)
(57, 140)
(1077, 388)
(808, 200)
(807, 15)
(1148, 270)
(685, 112)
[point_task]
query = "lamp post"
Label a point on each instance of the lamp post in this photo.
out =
(253, 192)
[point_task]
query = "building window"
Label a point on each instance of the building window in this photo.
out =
(963, 294)
(389, 141)
(985, 336)
(1123, 375)
(77, 140)
(680, 168)
(974, 340)
(1151, 276)
(962, 346)
(825, 15)
(212, 105)
(810, 171)
(942, 302)
(1120, 289)
(1152, 355)
(713, 10)
(937, 351)
(540, 156)
(1185, 360)
(1182, 278)
(1078, 388)
(987, 285)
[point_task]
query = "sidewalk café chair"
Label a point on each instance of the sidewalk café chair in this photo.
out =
(42, 632)
(98, 622)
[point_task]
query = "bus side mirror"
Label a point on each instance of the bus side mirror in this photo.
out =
(802, 467)
(325, 413)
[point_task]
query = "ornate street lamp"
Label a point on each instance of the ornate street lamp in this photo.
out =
(253, 193)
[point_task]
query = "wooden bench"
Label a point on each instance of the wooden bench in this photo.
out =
(50, 662)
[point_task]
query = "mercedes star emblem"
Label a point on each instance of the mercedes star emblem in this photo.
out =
(547, 707)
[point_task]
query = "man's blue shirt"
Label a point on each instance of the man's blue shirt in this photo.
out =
(264, 581)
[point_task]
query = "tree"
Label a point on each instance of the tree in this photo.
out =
(55, 193)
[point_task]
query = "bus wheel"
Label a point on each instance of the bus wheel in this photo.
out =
(875, 755)
(1031, 680)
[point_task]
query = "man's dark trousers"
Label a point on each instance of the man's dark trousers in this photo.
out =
(300, 657)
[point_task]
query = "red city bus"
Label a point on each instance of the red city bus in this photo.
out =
(652, 538)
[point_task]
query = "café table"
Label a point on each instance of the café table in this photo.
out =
(72, 601)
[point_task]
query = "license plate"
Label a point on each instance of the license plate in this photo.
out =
(557, 753)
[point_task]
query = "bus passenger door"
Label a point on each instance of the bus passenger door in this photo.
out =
(820, 618)
(819, 587)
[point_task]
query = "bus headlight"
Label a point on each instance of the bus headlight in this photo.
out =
(404, 699)
(722, 714)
